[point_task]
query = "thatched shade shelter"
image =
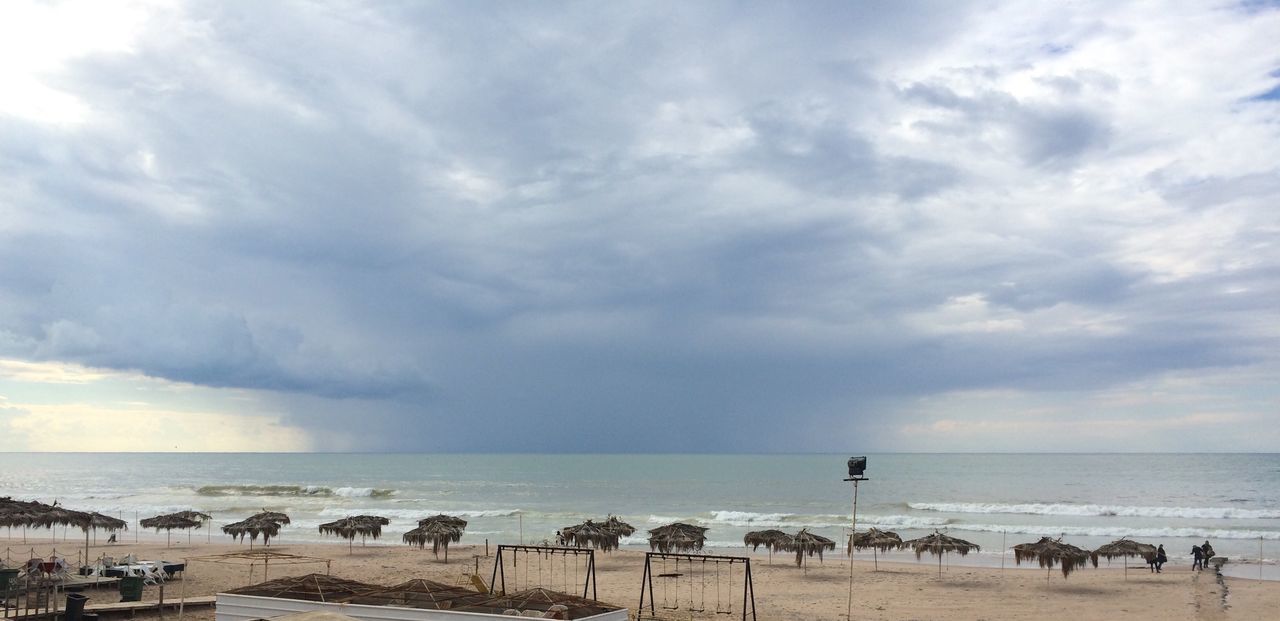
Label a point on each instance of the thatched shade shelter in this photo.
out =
(422, 594)
(540, 600)
(438, 533)
(357, 526)
(253, 527)
(310, 587)
(271, 516)
(805, 544)
(1124, 548)
(1051, 552)
(677, 537)
(876, 539)
(448, 520)
(773, 541)
(618, 526)
(590, 534)
(939, 544)
(168, 523)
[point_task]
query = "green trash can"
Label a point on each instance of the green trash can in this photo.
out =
(131, 589)
(8, 583)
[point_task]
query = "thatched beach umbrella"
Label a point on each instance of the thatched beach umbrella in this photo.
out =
(772, 540)
(678, 537)
(1050, 552)
(168, 523)
(939, 544)
(448, 520)
(590, 534)
(20, 513)
(618, 526)
(876, 539)
(272, 516)
(360, 525)
(253, 527)
(805, 543)
(1124, 548)
(439, 533)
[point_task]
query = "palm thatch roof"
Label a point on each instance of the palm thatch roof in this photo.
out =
(677, 537)
(1050, 552)
(541, 600)
(310, 587)
(938, 544)
(773, 540)
(106, 522)
(805, 543)
(194, 515)
(439, 534)
(356, 526)
(272, 516)
(419, 593)
(590, 534)
(1124, 548)
(875, 539)
(171, 521)
(618, 526)
(253, 527)
(449, 520)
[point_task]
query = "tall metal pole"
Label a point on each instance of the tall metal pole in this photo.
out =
(854, 531)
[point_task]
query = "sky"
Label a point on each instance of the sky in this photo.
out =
(639, 226)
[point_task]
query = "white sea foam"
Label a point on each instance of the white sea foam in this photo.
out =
(1199, 513)
(417, 514)
(1120, 531)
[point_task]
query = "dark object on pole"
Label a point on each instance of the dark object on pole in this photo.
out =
(75, 606)
(857, 466)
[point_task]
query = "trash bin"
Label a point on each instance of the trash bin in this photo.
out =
(131, 589)
(75, 606)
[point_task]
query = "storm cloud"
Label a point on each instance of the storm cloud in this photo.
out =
(651, 226)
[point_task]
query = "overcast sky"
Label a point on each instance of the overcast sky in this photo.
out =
(685, 226)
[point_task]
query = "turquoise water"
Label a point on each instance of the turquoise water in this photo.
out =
(1178, 500)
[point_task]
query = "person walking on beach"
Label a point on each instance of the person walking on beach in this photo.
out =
(1161, 559)
(1197, 558)
(1207, 551)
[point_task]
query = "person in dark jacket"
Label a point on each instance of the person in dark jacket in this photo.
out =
(1207, 551)
(1197, 558)
(1161, 558)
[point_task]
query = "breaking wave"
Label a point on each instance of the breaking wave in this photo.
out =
(417, 514)
(1199, 513)
(1119, 531)
(293, 490)
(749, 519)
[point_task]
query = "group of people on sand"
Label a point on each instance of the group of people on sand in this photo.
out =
(1200, 556)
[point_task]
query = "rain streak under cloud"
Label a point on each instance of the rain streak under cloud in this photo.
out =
(643, 227)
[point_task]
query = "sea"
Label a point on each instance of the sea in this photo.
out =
(994, 500)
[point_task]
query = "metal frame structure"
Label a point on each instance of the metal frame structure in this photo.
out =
(500, 574)
(748, 587)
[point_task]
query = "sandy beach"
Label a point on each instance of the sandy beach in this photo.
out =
(782, 591)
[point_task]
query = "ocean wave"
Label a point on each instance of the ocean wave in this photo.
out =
(1199, 513)
(417, 514)
(1119, 531)
(293, 490)
(747, 519)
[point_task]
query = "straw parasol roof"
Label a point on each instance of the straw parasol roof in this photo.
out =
(99, 521)
(356, 526)
(450, 520)
(1050, 552)
(805, 543)
(168, 523)
(196, 516)
(772, 540)
(253, 527)
(1124, 548)
(618, 526)
(309, 587)
(939, 544)
(877, 540)
(438, 533)
(677, 537)
(590, 534)
(272, 516)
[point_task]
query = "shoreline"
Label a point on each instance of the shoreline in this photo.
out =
(899, 590)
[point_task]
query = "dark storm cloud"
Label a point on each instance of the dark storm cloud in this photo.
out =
(536, 224)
